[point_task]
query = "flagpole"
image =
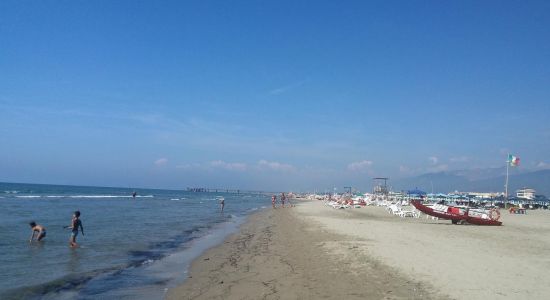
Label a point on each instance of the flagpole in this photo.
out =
(506, 184)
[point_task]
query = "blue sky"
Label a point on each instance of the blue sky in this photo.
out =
(290, 95)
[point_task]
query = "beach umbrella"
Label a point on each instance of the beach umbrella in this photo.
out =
(416, 192)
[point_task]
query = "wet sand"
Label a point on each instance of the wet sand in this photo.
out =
(313, 251)
(282, 254)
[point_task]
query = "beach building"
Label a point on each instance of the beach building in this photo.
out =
(484, 195)
(526, 193)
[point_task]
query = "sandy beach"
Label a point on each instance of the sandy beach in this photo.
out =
(313, 251)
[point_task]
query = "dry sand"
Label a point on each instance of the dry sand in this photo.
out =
(313, 251)
(462, 261)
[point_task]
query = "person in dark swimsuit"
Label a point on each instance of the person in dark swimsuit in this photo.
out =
(41, 230)
(75, 224)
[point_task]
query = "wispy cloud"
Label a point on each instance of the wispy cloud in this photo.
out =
(433, 159)
(161, 162)
(262, 165)
(288, 87)
(230, 166)
(404, 169)
(360, 166)
(215, 164)
(275, 166)
(543, 165)
(459, 159)
(189, 166)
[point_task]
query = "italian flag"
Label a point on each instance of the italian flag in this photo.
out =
(513, 160)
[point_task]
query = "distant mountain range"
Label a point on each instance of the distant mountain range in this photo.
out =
(477, 180)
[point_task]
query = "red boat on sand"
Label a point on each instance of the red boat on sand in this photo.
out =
(459, 215)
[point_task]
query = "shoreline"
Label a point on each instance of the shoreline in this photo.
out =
(313, 251)
(278, 254)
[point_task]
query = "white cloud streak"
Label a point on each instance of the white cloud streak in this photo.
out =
(275, 166)
(459, 159)
(230, 166)
(360, 166)
(286, 88)
(161, 162)
(543, 165)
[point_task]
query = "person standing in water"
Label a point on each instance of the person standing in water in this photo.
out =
(134, 194)
(287, 198)
(283, 198)
(76, 223)
(41, 230)
(273, 200)
(222, 203)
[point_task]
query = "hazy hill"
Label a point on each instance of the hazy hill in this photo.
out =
(477, 180)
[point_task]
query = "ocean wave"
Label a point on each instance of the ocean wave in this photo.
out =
(82, 196)
(109, 196)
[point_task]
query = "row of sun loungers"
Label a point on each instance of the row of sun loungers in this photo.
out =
(403, 213)
(393, 209)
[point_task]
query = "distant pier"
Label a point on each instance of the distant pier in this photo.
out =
(222, 190)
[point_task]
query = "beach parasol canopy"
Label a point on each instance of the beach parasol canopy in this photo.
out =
(416, 192)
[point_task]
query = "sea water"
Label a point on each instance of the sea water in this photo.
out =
(134, 248)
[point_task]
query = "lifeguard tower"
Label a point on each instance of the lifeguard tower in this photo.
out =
(380, 187)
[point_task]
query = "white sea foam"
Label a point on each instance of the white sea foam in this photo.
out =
(108, 196)
(83, 196)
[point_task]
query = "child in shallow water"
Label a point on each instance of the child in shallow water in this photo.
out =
(41, 230)
(75, 224)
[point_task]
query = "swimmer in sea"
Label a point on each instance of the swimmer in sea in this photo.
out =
(41, 230)
(75, 224)
(222, 203)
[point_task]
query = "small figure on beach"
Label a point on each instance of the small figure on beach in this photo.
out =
(134, 194)
(76, 223)
(222, 203)
(273, 200)
(283, 198)
(35, 228)
(287, 198)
